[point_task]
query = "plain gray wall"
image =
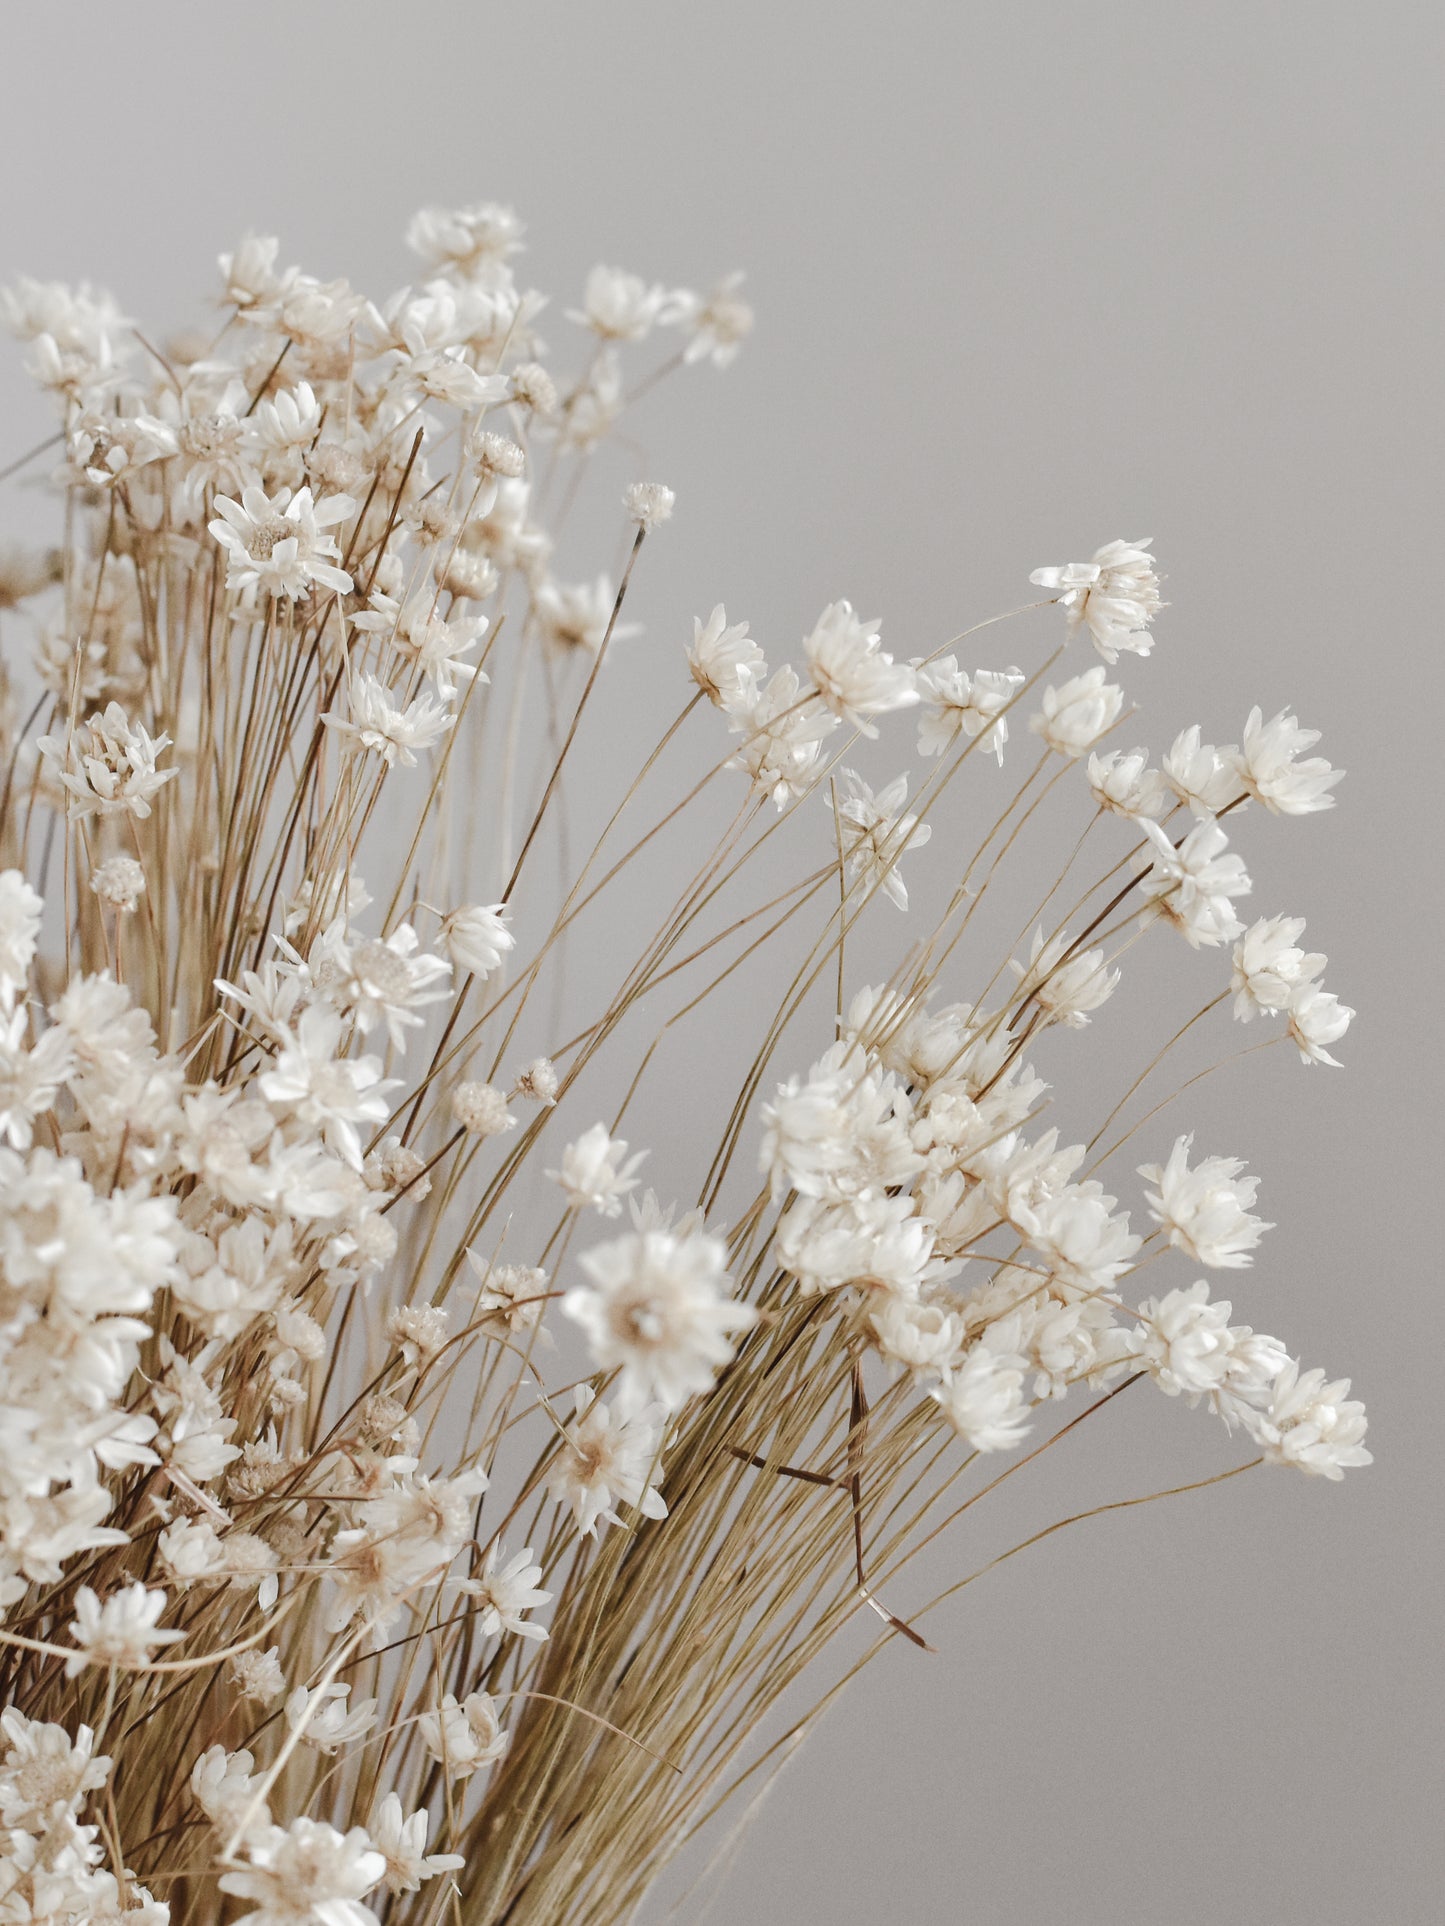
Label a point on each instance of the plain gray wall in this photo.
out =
(1027, 277)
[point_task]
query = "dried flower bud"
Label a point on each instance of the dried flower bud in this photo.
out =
(336, 469)
(648, 503)
(299, 1331)
(432, 522)
(375, 1239)
(538, 1081)
(258, 1675)
(120, 883)
(481, 1110)
(494, 456)
(418, 1331)
(382, 1418)
(534, 388)
(468, 576)
(393, 1166)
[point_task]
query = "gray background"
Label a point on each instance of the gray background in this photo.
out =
(1027, 278)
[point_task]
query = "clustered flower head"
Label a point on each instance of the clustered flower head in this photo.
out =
(346, 1363)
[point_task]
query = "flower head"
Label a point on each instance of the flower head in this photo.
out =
(619, 306)
(401, 1841)
(876, 833)
(1268, 769)
(1206, 1210)
(277, 544)
(120, 1631)
(1115, 596)
(955, 702)
(1195, 884)
(657, 1308)
(1269, 968)
(374, 720)
(462, 1738)
(717, 323)
(596, 1171)
(111, 766)
(604, 1459)
(306, 1871)
(853, 675)
(1078, 712)
(506, 1592)
(648, 503)
(725, 663)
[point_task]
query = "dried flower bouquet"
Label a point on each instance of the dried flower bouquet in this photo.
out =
(404, 1514)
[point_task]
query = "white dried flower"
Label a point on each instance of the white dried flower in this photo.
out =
(573, 618)
(657, 1308)
(648, 503)
(1313, 1425)
(476, 938)
(306, 1871)
(1268, 770)
(505, 1592)
(781, 731)
(462, 1738)
(1066, 984)
(1123, 782)
(465, 240)
(533, 388)
(510, 1297)
(1270, 969)
(717, 323)
(481, 1110)
(1317, 1018)
(854, 676)
(605, 1459)
(277, 543)
(1195, 884)
(401, 1841)
(596, 1172)
(109, 765)
(924, 1338)
(325, 1720)
(373, 719)
(983, 1399)
(875, 833)
(1078, 712)
(1116, 596)
(955, 703)
(120, 1631)
(725, 663)
(1205, 778)
(619, 306)
(395, 1167)
(250, 272)
(223, 1785)
(120, 883)
(1205, 1210)
(257, 1675)
(538, 1080)
(20, 913)
(494, 457)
